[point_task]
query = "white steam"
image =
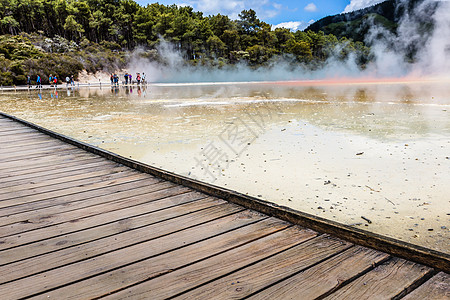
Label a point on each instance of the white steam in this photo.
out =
(435, 57)
(431, 58)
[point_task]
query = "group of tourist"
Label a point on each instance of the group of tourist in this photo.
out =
(128, 78)
(114, 79)
(52, 80)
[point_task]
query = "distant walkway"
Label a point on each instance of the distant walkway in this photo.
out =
(75, 225)
(64, 86)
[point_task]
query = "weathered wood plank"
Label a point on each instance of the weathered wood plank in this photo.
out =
(325, 277)
(266, 272)
(120, 234)
(9, 195)
(41, 142)
(22, 136)
(28, 139)
(44, 220)
(215, 266)
(117, 224)
(15, 132)
(66, 150)
(436, 288)
(55, 174)
(44, 161)
(38, 201)
(149, 202)
(38, 140)
(56, 167)
(10, 124)
(22, 213)
(41, 282)
(167, 262)
(384, 282)
(22, 153)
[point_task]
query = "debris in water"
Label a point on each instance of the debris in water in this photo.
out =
(365, 219)
(373, 190)
(360, 153)
(389, 201)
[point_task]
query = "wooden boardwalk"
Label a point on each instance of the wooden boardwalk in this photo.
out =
(74, 225)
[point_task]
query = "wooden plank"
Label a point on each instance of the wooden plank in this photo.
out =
(11, 125)
(384, 282)
(44, 220)
(22, 136)
(267, 272)
(32, 142)
(44, 161)
(17, 153)
(50, 173)
(8, 195)
(5, 133)
(436, 288)
(128, 188)
(61, 182)
(29, 146)
(27, 139)
(331, 274)
(166, 262)
(96, 229)
(120, 234)
(24, 162)
(6, 174)
(18, 148)
(174, 196)
(25, 156)
(203, 271)
(44, 281)
(40, 177)
(41, 200)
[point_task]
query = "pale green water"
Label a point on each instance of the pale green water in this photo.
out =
(341, 151)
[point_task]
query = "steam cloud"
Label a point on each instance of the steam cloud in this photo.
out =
(432, 56)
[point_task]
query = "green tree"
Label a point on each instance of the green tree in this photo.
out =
(73, 27)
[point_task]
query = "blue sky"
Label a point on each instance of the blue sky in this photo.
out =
(294, 14)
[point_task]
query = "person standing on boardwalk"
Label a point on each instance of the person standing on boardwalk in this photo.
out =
(143, 78)
(111, 78)
(126, 78)
(67, 81)
(50, 80)
(72, 82)
(55, 80)
(29, 81)
(38, 82)
(138, 78)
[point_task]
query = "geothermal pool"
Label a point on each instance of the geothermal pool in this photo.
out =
(378, 150)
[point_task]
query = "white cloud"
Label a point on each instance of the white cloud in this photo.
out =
(293, 25)
(311, 7)
(358, 4)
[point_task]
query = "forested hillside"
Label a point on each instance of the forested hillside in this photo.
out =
(356, 24)
(69, 35)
